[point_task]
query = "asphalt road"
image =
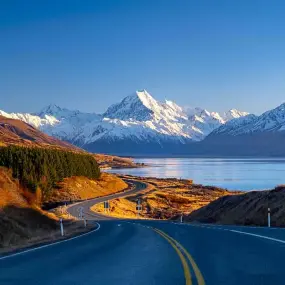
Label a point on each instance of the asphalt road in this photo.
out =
(86, 205)
(141, 252)
(154, 252)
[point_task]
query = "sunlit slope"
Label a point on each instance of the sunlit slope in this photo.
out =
(245, 209)
(165, 199)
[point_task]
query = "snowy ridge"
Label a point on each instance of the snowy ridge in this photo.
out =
(235, 126)
(270, 121)
(138, 118)
(31, 119)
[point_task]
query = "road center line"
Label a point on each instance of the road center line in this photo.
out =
(186, 268)
(260, 236)
(195, 267)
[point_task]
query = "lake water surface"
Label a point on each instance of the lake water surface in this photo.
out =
(234, 174)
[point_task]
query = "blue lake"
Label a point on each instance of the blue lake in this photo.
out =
(233, 174)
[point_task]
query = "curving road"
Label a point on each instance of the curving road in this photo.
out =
(86, 205)
(151, 252)
(145, 252)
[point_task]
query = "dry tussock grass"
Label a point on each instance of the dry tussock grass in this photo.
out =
(22, 221)
(249, 208)
(81, 188)
(165, 198)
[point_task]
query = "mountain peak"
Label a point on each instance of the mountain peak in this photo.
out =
(138, 106)
(56, 112)
(51, 109)
(233, 114)
(147, 100)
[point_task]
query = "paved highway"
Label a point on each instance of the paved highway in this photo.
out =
(86, 205)
(154, 252)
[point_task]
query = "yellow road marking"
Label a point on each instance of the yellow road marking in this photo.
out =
(195, 267)
(186, 269)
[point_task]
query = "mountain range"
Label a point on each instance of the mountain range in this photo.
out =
(251, 135)
(16, 132)
(138, 122)
(140, 125)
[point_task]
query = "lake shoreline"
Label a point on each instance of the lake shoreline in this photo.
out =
(232, 174)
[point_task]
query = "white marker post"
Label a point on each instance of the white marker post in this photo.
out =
(269, 218)
(61, 228)
(181, 218)
(84, 220)
(138, 208)
(81, 216)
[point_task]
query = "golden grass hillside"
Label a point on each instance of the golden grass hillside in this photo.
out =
(10, 191)
(81, 188)
(20, 218)
(23, 223)
(165, 199)
(245, 209)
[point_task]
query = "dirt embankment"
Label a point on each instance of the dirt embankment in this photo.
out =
(245, 209)
(165, 199)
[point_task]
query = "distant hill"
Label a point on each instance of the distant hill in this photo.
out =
(16, 132)
(244, 209)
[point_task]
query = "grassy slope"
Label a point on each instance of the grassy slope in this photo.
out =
(245, 209)
(80, 188)
(19, 220)
(166, 198)
(23, 223)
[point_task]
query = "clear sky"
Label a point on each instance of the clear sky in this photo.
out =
(87, 55)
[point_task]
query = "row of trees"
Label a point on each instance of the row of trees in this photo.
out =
(38, 167)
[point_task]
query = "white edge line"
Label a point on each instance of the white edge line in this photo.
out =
(50, 244)
(264, 237)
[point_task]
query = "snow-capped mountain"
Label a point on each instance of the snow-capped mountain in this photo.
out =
(233, 114)
(32, 119)
(236, 126)
(270, 121)
(252, 135)
(141, 106)
(137, 120)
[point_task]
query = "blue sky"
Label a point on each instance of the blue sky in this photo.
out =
(87, 55)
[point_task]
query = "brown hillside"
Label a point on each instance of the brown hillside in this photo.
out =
(165, 198)
(10, 192)
(245, 209)
(81, 188)
(19, 133)
(19, 220)
(23, 223)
